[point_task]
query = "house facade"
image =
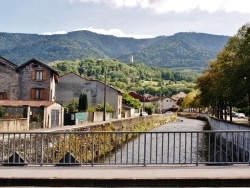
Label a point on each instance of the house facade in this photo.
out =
(36, 81)
(168, 103)
(72, 85)
(8, 80)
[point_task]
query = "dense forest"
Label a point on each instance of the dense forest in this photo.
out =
(180, 51)
(130, 77)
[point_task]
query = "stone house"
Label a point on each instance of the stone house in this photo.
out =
(37, 81)
(8, 80)
(72, 85)
(33, 82)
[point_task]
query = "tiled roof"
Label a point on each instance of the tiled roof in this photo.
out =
(25, 103)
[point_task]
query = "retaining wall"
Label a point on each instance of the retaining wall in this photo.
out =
(8, 125)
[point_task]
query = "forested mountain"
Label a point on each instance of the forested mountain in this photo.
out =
(191, 50)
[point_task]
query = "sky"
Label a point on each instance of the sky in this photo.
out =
(124, 18)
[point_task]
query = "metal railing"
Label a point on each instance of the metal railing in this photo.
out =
(125, 148)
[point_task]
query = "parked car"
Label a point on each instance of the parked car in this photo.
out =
(235, 114)
(168, 112)
(143, 114)
(241, 115)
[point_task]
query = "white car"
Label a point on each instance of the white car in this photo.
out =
(143, 114)
(241, 115)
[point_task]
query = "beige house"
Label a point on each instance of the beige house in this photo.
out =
(72, 85)
(39, 114)
(168, 103)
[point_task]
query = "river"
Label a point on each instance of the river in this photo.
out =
(163, 146)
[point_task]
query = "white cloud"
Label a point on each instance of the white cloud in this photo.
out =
(54, 33)
(115, 32)
(164, 6)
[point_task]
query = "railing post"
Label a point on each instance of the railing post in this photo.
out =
(41, 162)
(145, 146)
(197, 149)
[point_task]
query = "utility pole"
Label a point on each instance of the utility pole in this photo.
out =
(105, 93)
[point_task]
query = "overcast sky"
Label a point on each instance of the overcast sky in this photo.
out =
(129, 18)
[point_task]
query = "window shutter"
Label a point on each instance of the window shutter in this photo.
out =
(32, 94)
(5, 97)
(33, 75)
(44, 94)
(44, 75)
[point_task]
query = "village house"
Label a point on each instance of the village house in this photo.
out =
(33, 84)
(72, 85)
(161, 105)
(8, 80)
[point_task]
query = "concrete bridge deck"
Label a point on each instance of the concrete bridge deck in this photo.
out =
(126, 176)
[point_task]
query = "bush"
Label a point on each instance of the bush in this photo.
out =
(1, 111)
(149, 109)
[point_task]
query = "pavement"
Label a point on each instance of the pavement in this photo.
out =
(125, 176)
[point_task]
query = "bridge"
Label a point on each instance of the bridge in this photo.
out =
(153, 158)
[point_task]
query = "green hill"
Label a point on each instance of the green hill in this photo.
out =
(179, 51)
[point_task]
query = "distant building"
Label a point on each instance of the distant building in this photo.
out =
(178, 96)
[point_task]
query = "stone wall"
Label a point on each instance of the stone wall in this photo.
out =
(140, 123)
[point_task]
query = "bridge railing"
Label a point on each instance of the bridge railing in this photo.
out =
(125, 148)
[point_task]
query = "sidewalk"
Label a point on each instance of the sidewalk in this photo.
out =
(126, 176)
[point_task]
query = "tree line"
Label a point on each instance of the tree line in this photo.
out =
(225, 84)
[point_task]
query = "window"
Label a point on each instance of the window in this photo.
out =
(38, 94)
(3, 96)
(39, 75)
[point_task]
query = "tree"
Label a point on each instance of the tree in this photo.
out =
(150, 109)
(72, 106)
(130, 101)
(83, 102)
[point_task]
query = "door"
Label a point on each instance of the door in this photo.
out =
(54, 118)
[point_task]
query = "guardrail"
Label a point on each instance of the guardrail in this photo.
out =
(125, 148)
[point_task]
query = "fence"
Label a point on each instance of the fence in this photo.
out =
(125, 148)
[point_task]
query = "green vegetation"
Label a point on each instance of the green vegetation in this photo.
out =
(130, 101)
(100, 108)
(1, 111)
(180, 51)
(131, 77)
(226, 83)
(83, 102)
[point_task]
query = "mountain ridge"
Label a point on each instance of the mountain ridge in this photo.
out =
(185, 49)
